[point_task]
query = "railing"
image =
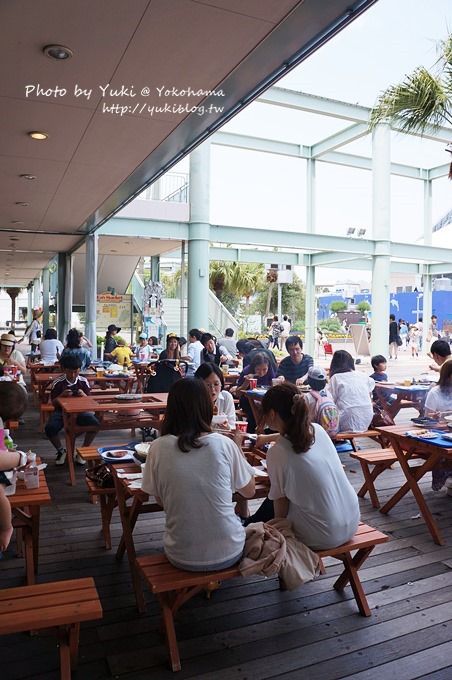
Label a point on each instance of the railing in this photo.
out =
(172, 187)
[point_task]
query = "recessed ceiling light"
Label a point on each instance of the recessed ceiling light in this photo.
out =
(57, 52)
(22, 203)
(17, 222)
(25, 175)
(38, 135)
(13, 238)
(113, 251)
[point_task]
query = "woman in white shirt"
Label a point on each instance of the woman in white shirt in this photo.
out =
(308, 483)
(50, 348)
(351, 392)
(193, 473)
(439, 398)
(222, 401)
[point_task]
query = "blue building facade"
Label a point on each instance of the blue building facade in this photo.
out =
(407, 306)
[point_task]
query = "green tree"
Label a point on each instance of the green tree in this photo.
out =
(363, 306)
(338, 306)
(423, 100)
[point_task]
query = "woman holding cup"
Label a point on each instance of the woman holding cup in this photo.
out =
(258, 374)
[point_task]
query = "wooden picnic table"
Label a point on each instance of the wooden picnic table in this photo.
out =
(134, 501)
(406, 396)
(26, 513)
(406, 448)
(124, 383)
(113, 414)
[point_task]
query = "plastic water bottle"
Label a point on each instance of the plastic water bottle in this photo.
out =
(9, 444)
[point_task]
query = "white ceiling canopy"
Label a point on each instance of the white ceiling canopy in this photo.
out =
(143, 84)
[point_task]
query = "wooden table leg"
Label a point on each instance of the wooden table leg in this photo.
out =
(413, 475)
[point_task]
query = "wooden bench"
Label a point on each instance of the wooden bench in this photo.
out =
(174, 587)
(62, 604)
(380, 460)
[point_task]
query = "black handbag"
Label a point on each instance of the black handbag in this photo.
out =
(101, 476)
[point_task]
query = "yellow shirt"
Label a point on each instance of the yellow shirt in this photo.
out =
(122, 353)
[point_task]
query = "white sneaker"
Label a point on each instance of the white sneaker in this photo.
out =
(78, 459)
(61, 457)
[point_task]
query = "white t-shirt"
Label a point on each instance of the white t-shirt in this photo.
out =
(194, 352)
(351, 394)
(48, 350)
(143, 353)
(196, 490)
(323, 506)
(225, 405)
(285, 329)
(438, 399)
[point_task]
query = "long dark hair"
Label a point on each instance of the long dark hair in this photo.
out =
(73, 339)
(189, 412)
(342, 362)
(258, 359)
(291, 406)
(207, 368)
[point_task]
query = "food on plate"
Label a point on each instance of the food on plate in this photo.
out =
(118, 454)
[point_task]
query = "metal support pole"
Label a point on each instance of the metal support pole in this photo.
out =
(36, 292)
(155, 267)
(91, 290)
(183, 298)
(310, 321)
(381, 223)
(310, 195)
(199, 238)
(45, 297)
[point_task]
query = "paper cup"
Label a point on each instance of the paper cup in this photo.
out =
(253, 383)
(242, 425)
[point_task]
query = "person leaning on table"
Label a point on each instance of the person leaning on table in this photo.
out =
(193, 473)
(440, 353)
(439, 397)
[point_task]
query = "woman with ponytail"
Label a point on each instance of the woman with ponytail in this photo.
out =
(308, 483)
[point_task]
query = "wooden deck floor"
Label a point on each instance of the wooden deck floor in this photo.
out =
(249, 629)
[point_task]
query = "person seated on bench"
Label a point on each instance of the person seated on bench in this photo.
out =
(307, 482)
(13, 401)
(223, 404)
(351, 392)
(193, 473)
(261, 369)
(70, 384)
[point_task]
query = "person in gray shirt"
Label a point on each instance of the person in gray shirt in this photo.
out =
(229, 342)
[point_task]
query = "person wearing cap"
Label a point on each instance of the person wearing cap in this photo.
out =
(11, 357)
(34, 330)
(144, 351)
(121, 353)
(110, 342)
(172, 350)
(295, 367)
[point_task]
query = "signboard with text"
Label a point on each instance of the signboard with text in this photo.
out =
(115, 309)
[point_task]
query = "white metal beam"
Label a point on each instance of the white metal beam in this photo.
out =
(345, 136)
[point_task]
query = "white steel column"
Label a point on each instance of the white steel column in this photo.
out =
(30, 303)
(310, 311)
(183, 296)
(381, 221)
(310, 195)
(199, 237)
(91, 291)
(428, 212)
(36, 292)
(426, 308)
(45, 297)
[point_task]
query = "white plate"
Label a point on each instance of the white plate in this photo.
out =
(110, 455)
(446, 435)
(429, 435)
(128, 397)
(142, 449)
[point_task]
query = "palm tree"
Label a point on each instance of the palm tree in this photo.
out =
(423, 100)
(246, 280)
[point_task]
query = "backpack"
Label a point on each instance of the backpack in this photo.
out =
(326, 413)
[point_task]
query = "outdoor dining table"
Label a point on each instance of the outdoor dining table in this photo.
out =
(406, 396)
(113, 413)
(26, 514)
(434, 452)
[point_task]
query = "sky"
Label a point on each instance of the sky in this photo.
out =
(378, 49)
